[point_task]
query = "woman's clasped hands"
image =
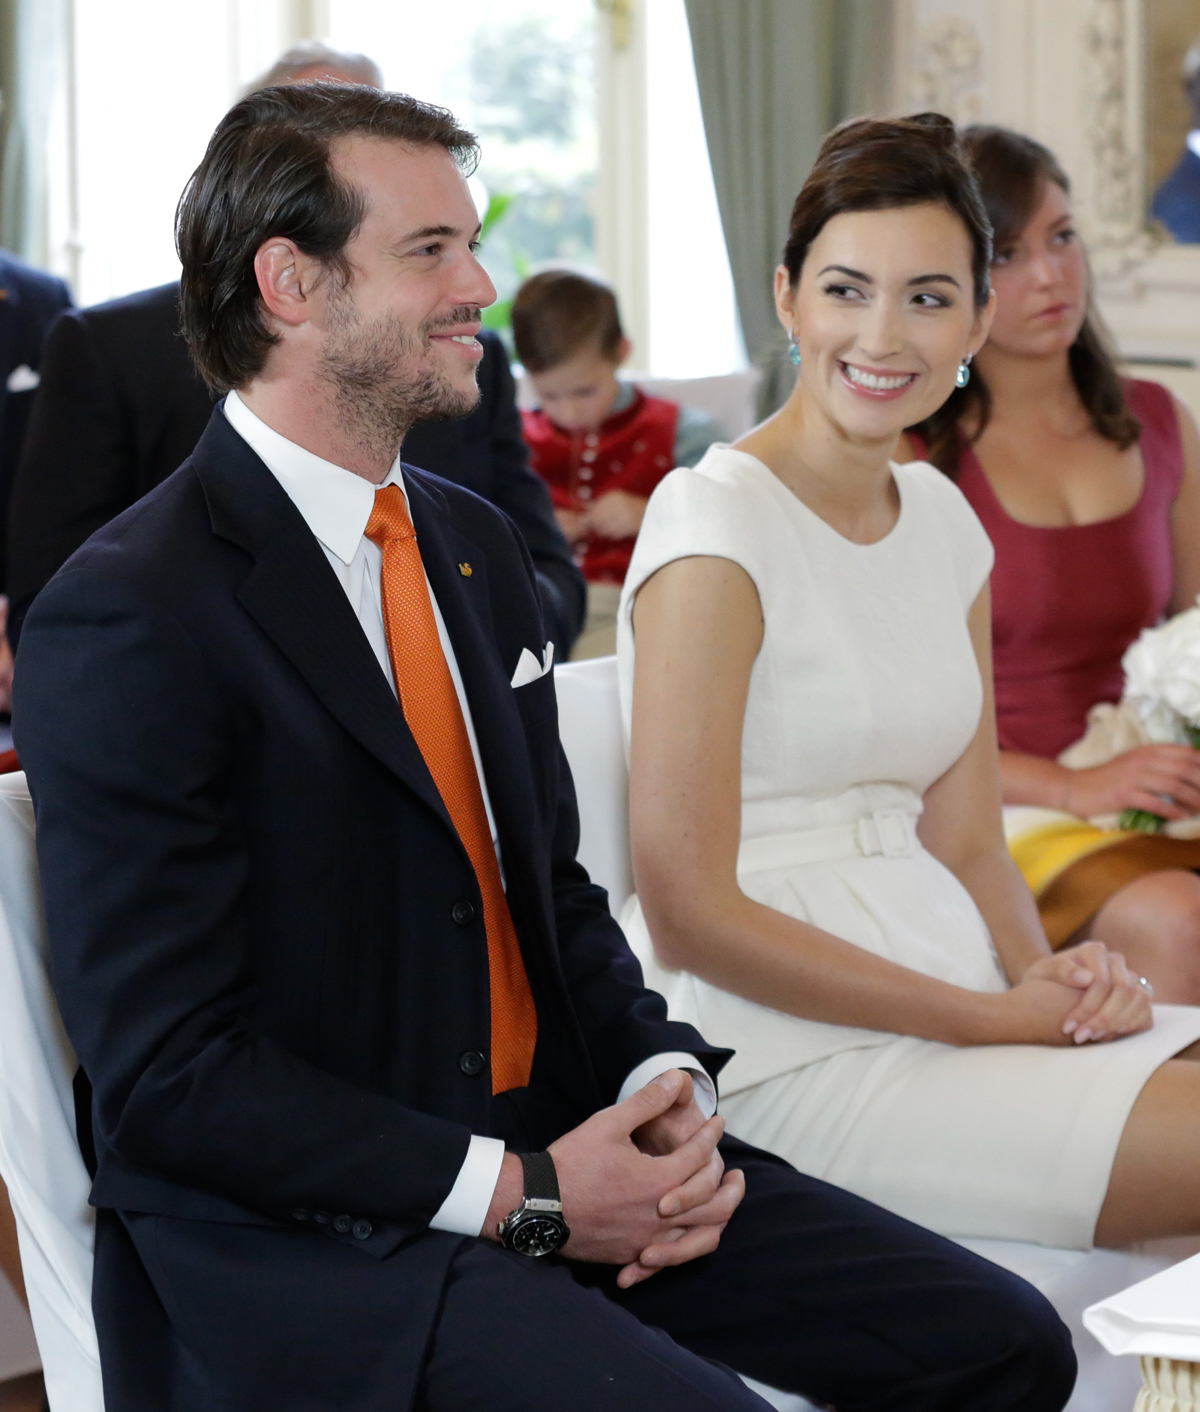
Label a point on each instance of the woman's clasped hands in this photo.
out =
(1083, 995)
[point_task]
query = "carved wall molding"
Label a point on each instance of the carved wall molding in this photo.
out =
(1119, 235)
(947, 68)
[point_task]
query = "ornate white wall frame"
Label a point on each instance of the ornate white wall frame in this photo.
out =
(1070, 73)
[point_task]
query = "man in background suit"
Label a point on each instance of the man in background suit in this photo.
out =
(383, 1114)
(1177, 201)
(121, 406)
(30, 300)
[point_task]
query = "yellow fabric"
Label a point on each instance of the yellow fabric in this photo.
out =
(1073, 868)
(1045, 852)
(434, 716)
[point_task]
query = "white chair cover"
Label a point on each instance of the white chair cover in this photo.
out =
(589, 724)
(731, 399)
(39, 1159)
(589, 716)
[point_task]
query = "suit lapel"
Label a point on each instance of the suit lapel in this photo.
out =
(294, 596)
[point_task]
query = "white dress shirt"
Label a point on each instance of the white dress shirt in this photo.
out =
(336, 505)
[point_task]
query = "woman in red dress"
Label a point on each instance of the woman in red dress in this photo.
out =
(1089, 486)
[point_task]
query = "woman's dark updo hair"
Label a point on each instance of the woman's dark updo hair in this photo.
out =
(1012, 171)
(880, 164)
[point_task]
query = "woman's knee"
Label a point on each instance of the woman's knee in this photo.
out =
(1155, 922)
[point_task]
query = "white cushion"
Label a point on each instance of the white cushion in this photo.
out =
(589, 724)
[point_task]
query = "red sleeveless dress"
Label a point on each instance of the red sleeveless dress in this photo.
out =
(1067, 601)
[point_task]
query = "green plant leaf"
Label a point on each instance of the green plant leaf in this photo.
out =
(1141, 821)
(498, 316)
(497, 209)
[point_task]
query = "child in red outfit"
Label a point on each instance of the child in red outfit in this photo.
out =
(600, 444)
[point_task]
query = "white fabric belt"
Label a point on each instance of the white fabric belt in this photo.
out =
(887, 833)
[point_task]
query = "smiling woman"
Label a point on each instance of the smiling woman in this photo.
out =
(815, 803)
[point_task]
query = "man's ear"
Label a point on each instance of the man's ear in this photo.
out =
(286, 280)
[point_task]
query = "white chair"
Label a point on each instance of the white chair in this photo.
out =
(1159, 1321)
(590, 726)
(39, 1159)
(731, 399)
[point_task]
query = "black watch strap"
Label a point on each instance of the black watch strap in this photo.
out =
(541, 1179)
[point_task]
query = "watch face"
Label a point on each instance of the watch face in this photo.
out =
(538, 1235)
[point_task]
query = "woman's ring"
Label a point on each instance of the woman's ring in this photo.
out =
(1147, 987)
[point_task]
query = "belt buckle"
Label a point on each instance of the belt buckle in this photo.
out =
(895, 830)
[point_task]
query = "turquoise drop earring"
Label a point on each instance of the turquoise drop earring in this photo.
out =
(793, 350)
(964, 371)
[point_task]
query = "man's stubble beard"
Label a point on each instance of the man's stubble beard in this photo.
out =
(381, 377)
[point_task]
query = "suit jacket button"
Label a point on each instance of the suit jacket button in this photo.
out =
(471, 1062)
(342, 1224)
(362, 1229)
(463, 914)
(300, 1214)
(321, 1217)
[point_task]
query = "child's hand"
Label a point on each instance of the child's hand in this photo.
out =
(572, 523)
(617, 515)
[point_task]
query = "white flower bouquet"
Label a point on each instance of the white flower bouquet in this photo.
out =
(1162, 690)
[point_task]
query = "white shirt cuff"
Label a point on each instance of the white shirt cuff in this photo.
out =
(464, 1211)
(648, 1069)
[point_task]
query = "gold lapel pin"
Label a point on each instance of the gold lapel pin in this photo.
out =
(465, 570)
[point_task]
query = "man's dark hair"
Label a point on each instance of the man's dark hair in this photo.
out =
(267, 172)
(558, 313)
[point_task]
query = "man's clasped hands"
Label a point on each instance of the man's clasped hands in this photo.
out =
(642, 1183)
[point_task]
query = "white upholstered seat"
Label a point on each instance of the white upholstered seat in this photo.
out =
(39, 1159)
(590, 726)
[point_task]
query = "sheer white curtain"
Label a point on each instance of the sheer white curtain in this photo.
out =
(694, 329)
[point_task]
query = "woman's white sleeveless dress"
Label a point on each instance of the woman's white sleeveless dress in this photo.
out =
(864, 692)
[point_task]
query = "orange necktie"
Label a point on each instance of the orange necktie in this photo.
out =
(434, 715)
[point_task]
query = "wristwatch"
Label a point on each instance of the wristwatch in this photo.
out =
(536, 1227)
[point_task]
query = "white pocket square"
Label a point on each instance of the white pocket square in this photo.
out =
(23, 379)
(529, 668)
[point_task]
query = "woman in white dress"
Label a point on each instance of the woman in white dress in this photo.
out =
(823, 882)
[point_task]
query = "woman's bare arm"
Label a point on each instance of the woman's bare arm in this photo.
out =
(699, 628)
(961, 826)
(1185, 516)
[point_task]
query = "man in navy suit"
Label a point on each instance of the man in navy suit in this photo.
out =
(1177, 200)
(274, 950)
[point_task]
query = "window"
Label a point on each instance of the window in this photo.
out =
(152, 81)
(521, 75)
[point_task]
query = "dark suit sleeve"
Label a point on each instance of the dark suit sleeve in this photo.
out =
(521, 493)
(77, 468)
(130, 745)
